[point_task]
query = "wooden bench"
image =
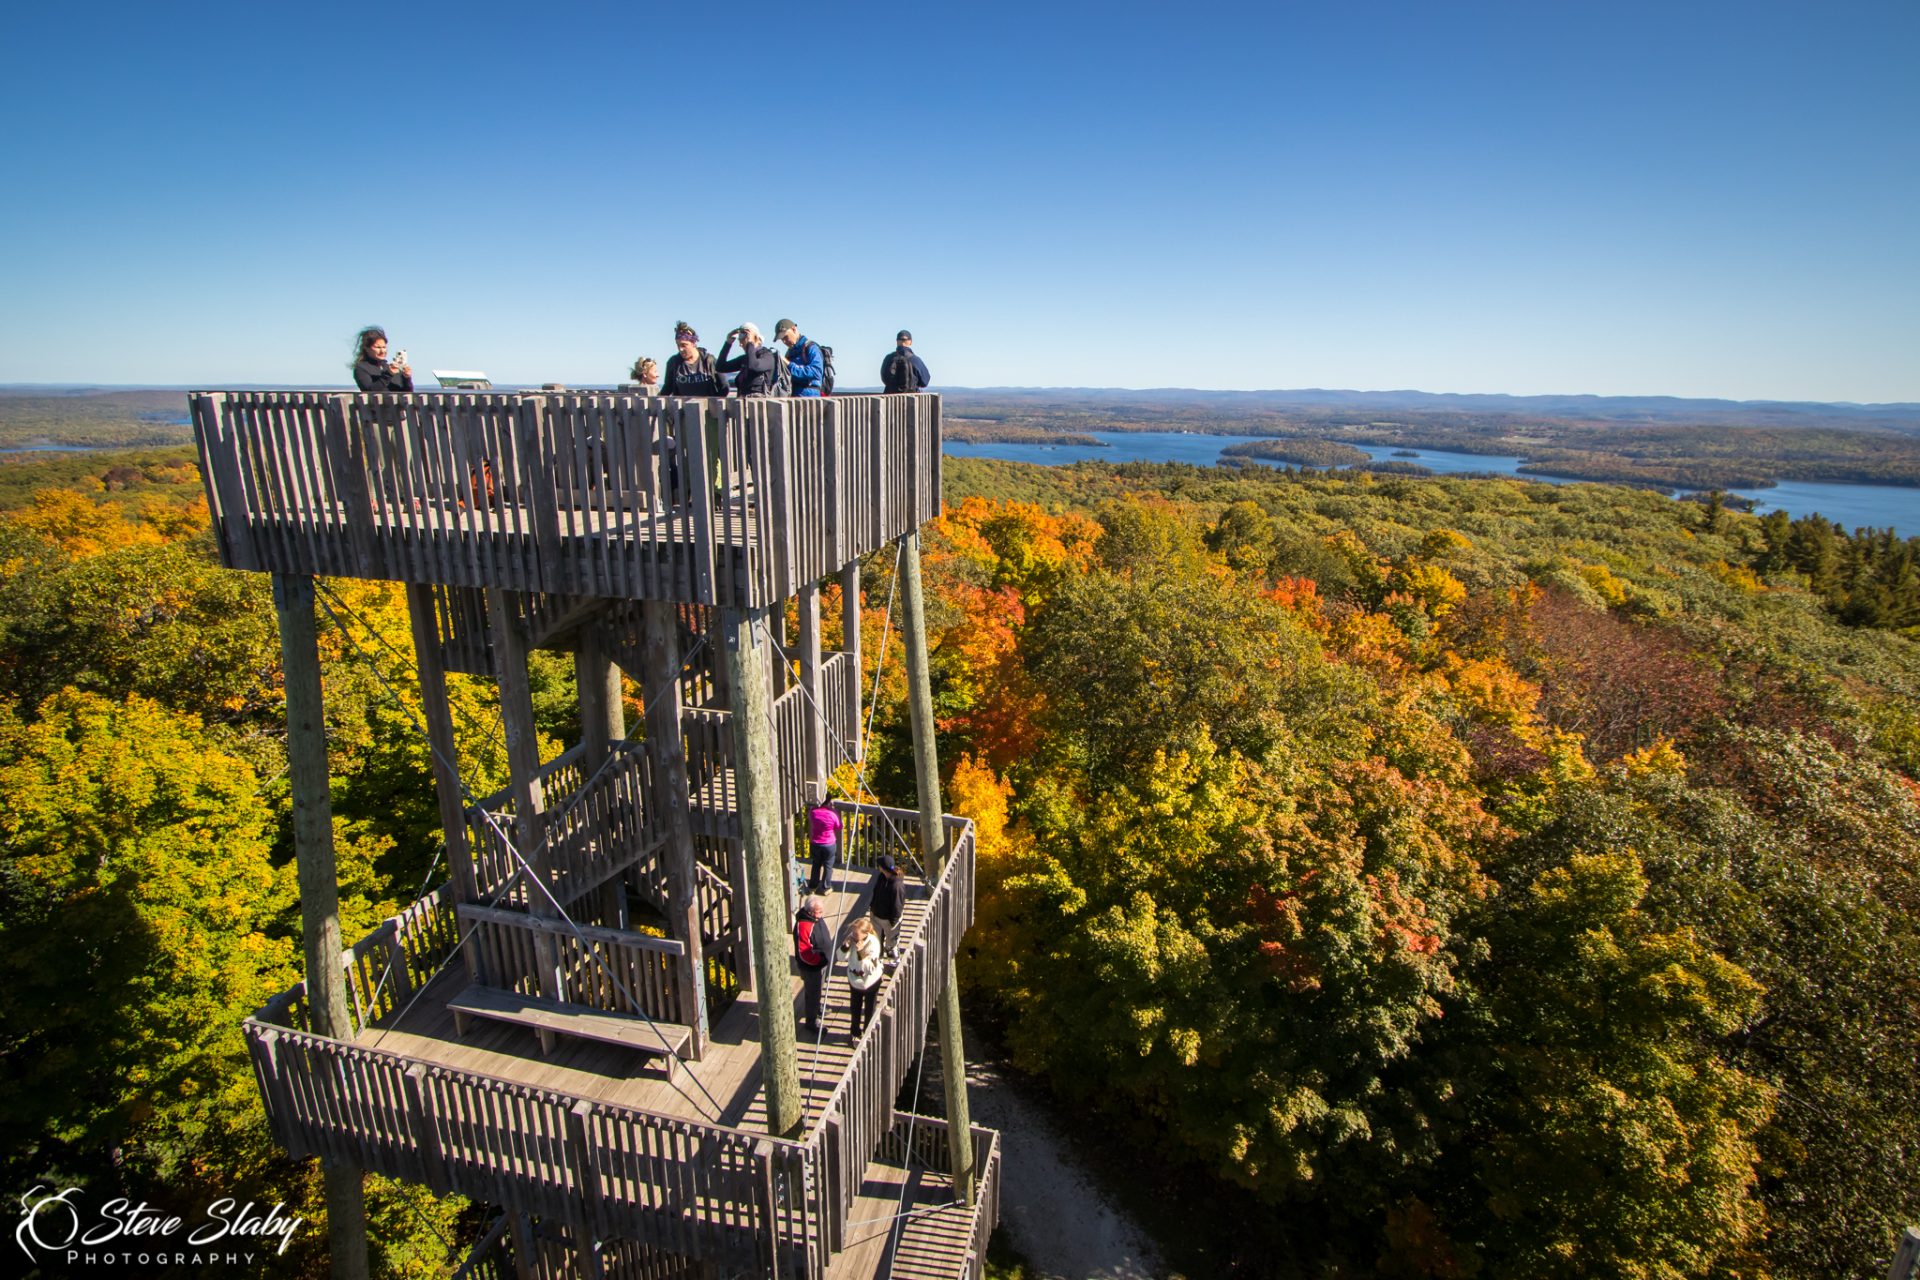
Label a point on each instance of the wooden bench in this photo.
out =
(665, 1040)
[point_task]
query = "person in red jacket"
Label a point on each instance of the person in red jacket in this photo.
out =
(813, 951)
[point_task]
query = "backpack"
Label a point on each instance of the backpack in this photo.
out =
(806, 937)
(782, 376)
(826, 369)
(900, 375)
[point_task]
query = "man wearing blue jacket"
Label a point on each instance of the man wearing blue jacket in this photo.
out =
(903, 372)
(803, 358)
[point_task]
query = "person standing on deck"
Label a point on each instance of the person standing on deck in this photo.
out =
(757, 367)
(690, 370)
(864, 971)
(812, 949)
(903, 372)
(887, 903)
(804, 360)
(646, 376)
(823, 833)
(372, 371)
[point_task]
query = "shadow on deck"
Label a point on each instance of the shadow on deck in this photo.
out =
(725, 1088)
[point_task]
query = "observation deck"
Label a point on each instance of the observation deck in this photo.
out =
(585, 1027)
(728, 502)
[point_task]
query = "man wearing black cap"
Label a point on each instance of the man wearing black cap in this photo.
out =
(803, 358)
(903, 372)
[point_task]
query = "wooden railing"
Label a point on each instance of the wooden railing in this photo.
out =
(730, 502)
(597, 822)
(708, 736)
(925, 1141)
(857, 1115)
(719, 871)
(398, 958)
(612, 969)
(738, 1197)
(928, 1140)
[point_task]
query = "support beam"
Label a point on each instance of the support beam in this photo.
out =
(660, 689)
(926, 765)
(747, 641)
(819, 761)
(850, 645)
(444, 756)
(522, 739)
(327, 1005)
(603, 713)
(526, 1250)
(523, 767)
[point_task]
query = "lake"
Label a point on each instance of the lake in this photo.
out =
(1853, 505)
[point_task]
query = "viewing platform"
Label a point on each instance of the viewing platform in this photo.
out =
(731, 502)
(591, 1025)
(584, 1138)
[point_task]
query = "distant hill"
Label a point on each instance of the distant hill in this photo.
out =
(1903, 417)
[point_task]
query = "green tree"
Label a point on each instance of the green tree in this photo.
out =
(141, 920)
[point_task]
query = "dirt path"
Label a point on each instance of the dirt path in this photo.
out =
(1050, 1209)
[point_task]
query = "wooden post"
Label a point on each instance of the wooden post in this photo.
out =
(819, 759)
(746, 638)
(660, 686)
(319, 892)
(443, 757)
(526, 1255)
(933, 844)
(603, 713)
(603, 722)
(523, 768)
(850, 645)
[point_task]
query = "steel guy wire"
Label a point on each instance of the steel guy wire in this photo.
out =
(493, 822)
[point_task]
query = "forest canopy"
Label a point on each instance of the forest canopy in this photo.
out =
(1431, 877)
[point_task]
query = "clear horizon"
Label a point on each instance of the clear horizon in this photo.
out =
(854, 386)
(1710, 201)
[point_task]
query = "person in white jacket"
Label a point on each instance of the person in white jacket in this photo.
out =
(861, 946)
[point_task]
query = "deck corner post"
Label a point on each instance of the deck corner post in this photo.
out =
(748, 642)
(433, 1165)
(328, 1010)
(934, 846)
(586, 1216)
(763, 1153)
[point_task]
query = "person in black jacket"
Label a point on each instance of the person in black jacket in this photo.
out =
(888, 904)
(372, 371)
(690, 371)
(757, 365)
(903, 371)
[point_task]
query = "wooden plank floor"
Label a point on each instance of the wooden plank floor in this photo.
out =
(928, 1243)
(724, 1088)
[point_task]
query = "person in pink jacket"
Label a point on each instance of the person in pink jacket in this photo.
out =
(823, 832)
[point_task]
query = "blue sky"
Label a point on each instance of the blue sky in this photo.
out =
(1688, 199)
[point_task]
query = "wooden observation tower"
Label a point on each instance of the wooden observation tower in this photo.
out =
(591, 1025)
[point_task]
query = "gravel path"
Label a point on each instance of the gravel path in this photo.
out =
(1052, 1212)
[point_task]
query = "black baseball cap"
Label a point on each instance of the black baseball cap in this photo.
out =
(903, 336)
